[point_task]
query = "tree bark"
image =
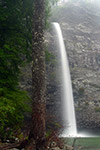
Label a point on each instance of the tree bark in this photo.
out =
(37, 133)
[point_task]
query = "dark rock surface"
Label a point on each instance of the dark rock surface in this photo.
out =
(53, 92)
(80, 23)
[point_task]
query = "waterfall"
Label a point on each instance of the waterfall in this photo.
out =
(70, 128)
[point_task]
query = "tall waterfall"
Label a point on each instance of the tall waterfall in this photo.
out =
(70, 128)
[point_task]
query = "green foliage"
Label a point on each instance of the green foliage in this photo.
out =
(49, 57)
(97, 109)
(15, 39)
(15, 50)
(53, 127)
(13, 104)
(49, 4)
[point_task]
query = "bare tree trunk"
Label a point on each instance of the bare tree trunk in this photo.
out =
(37, 133)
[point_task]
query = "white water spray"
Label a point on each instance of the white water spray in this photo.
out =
(67, 95)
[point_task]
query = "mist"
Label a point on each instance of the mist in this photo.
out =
(60, 2)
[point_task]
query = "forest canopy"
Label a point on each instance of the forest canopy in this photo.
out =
(15, 52)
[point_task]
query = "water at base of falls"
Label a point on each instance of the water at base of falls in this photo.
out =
(70, 128)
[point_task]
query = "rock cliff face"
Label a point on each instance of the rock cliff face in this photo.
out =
(80, 23)
(53, 92)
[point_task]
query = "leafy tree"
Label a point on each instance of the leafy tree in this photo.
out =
(16, 21)
(12, 108)
(15, 40)
(16, 37)
(15, 49)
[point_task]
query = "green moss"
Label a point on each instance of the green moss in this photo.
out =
(97, 109)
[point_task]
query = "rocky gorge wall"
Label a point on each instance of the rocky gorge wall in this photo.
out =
(80, 23)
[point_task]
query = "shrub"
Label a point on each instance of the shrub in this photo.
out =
(12, 108)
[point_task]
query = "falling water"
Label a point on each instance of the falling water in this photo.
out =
(67, 95)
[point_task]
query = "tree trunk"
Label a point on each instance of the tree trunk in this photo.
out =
(37, 133)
